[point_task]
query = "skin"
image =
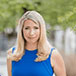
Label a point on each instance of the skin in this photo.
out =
(58, 64)
(31, 32)
(9, 66)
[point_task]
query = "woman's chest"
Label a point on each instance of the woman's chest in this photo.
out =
(28, 67)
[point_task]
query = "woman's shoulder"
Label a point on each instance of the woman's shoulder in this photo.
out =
(55, 52)
(58, 63)
(10, 51)
(56, 57)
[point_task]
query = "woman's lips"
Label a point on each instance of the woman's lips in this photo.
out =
(31, 37)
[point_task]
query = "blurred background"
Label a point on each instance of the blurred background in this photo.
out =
(60, 18)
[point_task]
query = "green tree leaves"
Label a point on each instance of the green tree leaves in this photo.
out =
(55, 12)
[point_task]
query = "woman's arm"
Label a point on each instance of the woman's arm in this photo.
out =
(9, 63)
(58, 64)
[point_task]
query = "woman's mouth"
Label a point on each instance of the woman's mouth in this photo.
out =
(31, 37)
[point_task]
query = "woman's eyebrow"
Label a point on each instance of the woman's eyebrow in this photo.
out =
(27, 26)
(36, 26)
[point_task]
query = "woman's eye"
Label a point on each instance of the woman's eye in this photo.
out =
(26, 28)
(36, 27)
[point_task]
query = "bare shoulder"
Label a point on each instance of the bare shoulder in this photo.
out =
(9, 51)
(58, 63)
(56, 56)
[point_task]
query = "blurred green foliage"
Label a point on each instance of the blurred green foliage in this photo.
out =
(55, 12)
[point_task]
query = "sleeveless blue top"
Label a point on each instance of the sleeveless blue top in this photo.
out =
(28, 67)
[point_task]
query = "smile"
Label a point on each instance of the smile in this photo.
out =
(31, 37)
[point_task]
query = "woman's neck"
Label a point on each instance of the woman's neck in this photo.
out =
(31, 46)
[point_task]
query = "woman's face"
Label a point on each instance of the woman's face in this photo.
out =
(31, 31)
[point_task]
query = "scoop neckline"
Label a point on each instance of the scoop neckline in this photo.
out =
(31, 50)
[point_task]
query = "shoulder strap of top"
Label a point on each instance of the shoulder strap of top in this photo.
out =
(13, 49)
(51, 51)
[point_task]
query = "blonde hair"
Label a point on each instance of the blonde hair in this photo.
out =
(44, 47)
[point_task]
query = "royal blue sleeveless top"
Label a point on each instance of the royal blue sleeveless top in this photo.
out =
(28, 67)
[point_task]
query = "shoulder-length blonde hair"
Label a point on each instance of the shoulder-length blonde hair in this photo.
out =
(44, 47)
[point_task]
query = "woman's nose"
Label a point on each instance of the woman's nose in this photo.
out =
(32, 32)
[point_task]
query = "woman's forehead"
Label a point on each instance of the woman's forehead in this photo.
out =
(30, 22)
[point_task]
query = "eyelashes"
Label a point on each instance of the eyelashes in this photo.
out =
(36, 28)
(26, 28)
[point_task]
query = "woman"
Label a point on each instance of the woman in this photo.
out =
(33, 55)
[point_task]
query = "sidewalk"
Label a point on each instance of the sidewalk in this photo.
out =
(3, 61)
